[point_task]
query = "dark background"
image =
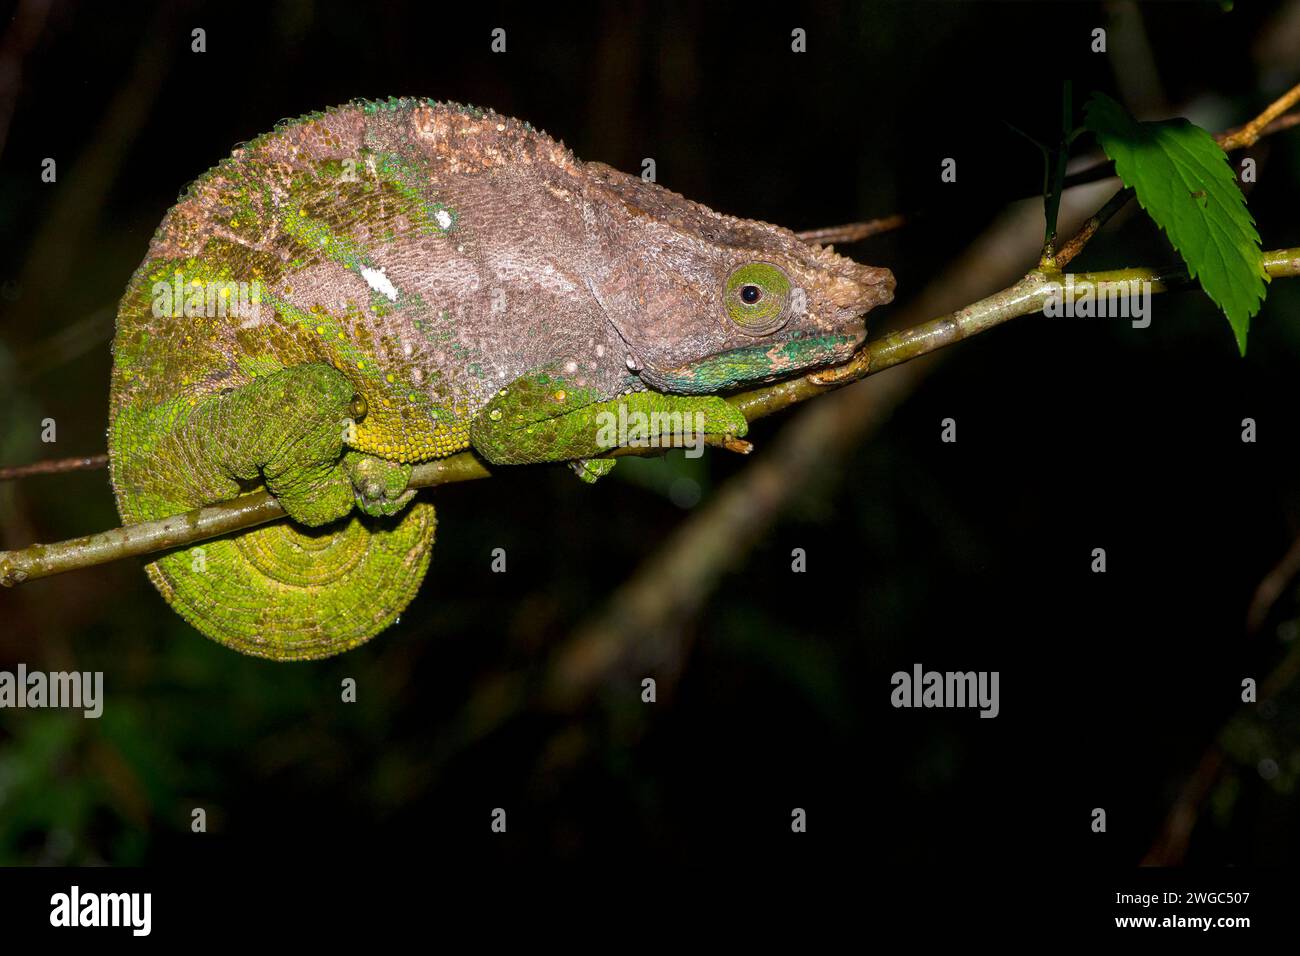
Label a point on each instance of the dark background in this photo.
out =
(1072, 435)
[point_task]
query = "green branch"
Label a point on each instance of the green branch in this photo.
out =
(1025, 297)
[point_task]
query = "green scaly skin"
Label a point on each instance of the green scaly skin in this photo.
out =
(273, 592)
(541, 417)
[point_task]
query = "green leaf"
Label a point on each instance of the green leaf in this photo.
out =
(1185, 183)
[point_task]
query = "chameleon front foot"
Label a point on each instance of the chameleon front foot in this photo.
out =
(538, 417)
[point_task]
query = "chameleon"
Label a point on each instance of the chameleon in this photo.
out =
(389, 282)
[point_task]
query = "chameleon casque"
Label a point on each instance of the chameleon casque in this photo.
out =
(425, 278)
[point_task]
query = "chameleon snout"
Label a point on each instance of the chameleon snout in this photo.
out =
(861, 290)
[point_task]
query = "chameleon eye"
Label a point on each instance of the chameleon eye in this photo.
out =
(756, 297)
(357, 408)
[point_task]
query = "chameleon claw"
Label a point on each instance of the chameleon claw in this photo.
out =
(382, 506)
(827, 378)
(854, 368)
(591, 469)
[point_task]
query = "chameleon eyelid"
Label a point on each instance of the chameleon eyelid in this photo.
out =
(774, 287)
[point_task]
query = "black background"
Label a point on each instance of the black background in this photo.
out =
(975, 555)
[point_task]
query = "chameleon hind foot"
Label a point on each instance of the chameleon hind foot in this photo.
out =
(592, 470)
(287, 428)
(379, 485)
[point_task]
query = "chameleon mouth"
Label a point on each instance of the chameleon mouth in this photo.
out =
(857, 333)
(756, 364)
(844, 343)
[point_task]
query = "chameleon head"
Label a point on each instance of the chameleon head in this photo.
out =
(711, 302)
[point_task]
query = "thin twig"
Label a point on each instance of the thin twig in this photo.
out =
(1271, 588)
(1023, 298)
(1278, 125)
(54, 466)
(854, 231)
(1247, 135)
(1075, 244)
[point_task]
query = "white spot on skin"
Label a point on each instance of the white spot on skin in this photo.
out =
(600, 351)
(443, 218)
(570, 367)
(376, 279)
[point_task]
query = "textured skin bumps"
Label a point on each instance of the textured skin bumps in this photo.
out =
(391, 282)
(287, 592)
